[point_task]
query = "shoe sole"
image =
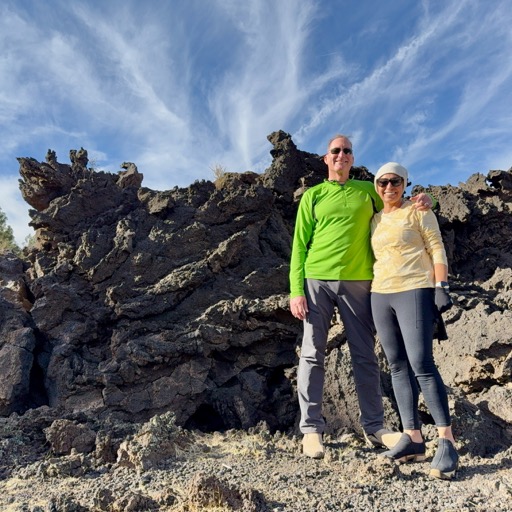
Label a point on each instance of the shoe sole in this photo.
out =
(411, 458)
(317, 455)
(437, 473)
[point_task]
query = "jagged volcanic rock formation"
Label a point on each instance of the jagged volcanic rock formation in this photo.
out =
(136, 302)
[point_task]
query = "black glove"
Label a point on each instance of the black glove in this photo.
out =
(443, 299)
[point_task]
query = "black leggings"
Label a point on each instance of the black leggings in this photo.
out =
(405, 326)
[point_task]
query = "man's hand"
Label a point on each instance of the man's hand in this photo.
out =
(423, 202)
(299, 307)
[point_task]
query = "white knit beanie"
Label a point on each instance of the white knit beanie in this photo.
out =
(392, 168)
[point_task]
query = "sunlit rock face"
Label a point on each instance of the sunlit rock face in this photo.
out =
(138, 302)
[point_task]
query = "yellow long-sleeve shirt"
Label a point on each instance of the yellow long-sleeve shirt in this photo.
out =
(406, 244)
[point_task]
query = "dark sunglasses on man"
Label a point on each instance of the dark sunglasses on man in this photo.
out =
(337, 151)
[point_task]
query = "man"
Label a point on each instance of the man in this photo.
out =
(331, 266)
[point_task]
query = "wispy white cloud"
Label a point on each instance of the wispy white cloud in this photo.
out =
(268, 86)
(177, 87)
(380, 90)
(447, 75)
(478, 75)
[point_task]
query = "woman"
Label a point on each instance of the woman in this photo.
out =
(409, 291)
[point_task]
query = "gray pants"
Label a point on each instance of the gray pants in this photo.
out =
(405, 324)
(352, 298)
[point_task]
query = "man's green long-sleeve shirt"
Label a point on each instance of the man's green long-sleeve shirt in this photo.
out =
(332, 234)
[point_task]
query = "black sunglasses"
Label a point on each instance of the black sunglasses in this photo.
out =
(395, 182)
(337, 151)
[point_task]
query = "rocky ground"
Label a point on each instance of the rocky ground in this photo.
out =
(163, 467)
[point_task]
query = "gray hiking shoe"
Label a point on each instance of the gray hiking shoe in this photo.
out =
(383, 438)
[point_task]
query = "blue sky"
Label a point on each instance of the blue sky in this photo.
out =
(180, 86)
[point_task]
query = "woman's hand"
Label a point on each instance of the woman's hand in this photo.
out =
(443, 300)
